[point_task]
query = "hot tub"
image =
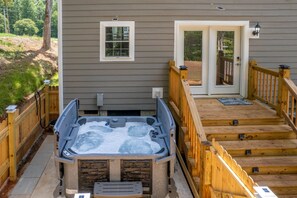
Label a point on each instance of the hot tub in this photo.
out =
(115, 149)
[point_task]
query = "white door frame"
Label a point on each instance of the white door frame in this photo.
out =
(244, 26)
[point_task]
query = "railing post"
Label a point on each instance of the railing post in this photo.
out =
(171, 63)
(251, 88)
(12, 113)
(183, 72)
(205, 173)
(47, 102)
(284, 72)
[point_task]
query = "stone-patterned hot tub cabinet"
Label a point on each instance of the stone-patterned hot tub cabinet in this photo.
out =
(79, 171)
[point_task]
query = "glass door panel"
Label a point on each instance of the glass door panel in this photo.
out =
(193, 56)
(225, 58)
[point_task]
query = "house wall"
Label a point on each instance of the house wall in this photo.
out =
(128, 85)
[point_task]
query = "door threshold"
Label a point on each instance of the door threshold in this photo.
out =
(216, 96)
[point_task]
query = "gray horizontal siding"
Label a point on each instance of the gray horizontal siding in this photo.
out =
(128, 85)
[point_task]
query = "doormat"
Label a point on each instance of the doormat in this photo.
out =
(234, 101)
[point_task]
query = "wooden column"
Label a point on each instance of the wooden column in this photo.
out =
(284, 72)
(47, 102)
(251, 88)
(12, 114)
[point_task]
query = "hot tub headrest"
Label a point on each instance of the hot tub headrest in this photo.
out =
(164, 116)
(66, 122)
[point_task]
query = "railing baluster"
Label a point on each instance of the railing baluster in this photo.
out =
(295, 111)
(275, 90)
(292, 107)
(270, 90)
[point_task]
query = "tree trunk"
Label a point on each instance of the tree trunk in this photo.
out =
(47, 26)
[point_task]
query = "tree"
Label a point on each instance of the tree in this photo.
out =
(3, 23)
(47, 26)
(28, 9)
(54, 19)
(15, 13)
(5, 4)
(25, 26)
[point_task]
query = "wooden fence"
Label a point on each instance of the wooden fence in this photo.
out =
(208, 165)
(22, 127)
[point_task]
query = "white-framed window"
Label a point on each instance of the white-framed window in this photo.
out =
(117, 40)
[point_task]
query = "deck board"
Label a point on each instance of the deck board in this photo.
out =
(210, 109)
(267, 161)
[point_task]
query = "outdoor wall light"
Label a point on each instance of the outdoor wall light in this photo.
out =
(257, 29)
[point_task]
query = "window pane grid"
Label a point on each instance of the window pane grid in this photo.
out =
(117, 42)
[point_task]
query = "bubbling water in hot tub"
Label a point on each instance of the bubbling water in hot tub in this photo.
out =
(99, 137)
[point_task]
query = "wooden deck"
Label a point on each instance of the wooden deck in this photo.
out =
(212, 112)
(262, 143)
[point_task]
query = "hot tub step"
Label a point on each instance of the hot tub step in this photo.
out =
(117, 189)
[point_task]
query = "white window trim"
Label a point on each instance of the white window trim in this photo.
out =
(131, 25)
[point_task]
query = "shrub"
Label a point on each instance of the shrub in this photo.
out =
(2, 26)
(25, 27)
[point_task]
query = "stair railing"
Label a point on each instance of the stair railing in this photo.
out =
(208, 163)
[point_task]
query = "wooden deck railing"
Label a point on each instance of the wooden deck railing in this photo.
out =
(275, 89)
(21, 128)
(207, 163)
(228, 179)
(225, 69)
(289, 106)
(263, 84)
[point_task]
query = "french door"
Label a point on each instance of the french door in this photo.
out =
(212, 55)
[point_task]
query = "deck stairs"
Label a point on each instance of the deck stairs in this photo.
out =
(265, 147)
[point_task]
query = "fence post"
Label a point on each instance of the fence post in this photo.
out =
(205, 170)
(284, 72)
(47, 103)
(251, 88)
(12, 113)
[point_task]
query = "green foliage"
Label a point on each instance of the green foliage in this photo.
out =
(16, 10)
(12, 51)
(54, 25)
(193, 46)
(40, 24)
(3, 20)
(28, 10)
(55, 80)
(17, 84)
(15, 13)
(25, 27)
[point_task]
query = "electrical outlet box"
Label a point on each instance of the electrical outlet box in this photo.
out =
(157, 92)
(100, 99)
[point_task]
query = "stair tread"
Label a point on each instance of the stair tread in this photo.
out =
(279, 177)
(247, 129)
(271, 161)
(260, 144)
(282, 180)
